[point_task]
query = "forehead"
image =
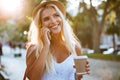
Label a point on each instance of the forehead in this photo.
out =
(48, 11)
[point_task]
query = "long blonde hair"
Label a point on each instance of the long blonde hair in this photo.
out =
(67, 34)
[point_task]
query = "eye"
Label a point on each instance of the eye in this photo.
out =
(45, 19)
(56, 15)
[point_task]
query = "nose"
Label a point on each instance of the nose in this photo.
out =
(53, 20)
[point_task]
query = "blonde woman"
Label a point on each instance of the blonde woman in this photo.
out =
(52, 44)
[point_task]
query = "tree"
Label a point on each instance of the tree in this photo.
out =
(97, 21)
(82, 28)
(112, 30)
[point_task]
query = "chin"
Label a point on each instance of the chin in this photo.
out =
(56, 31)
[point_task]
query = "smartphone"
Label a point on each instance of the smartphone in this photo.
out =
(49, 36)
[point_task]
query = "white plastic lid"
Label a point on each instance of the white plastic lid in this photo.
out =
(80, 57)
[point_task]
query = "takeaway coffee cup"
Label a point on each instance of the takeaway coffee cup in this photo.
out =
(80, 63)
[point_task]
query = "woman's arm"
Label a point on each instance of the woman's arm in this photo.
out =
(78, 50)
(36, 66)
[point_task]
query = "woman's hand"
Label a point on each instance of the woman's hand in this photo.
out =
(87, 67)
(79, 76)
(44, 36)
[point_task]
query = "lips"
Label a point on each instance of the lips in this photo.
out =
(55, 29)
(55, 26)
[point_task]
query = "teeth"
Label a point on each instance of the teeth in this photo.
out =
(54, 26)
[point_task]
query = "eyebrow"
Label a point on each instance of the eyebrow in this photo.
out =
(48, 16)
(56, 13)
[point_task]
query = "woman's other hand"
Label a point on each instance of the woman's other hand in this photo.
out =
(79, 76)
(87, 67)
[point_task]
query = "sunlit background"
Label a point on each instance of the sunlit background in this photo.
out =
(95, 22)
(15, 8)
(74, 4)
(11, 5)
(11, 8)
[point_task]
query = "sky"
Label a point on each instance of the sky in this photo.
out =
(73, 5)
(10, 8)
(15, 6)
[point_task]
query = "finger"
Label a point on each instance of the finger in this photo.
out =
(88, 72)
(49, 36)
(73, 66)
(47, 32)
(87, 69)
(44, 31)
(87, 66)
(87, 62)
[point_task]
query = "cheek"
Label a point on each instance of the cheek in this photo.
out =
(60, 21)
(45, 24)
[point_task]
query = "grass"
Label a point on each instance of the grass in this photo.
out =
(110, 57)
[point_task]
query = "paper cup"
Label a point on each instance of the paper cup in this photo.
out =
(80, 63)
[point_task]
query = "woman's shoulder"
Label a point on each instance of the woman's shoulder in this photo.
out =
(30, 56)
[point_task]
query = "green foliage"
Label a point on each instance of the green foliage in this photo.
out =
(83, 28)
(22, 26)
(6, 31)
(113, 30)
(14, 32)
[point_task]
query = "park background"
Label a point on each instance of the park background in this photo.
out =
(95, 22)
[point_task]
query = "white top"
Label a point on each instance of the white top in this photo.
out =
(63, 70)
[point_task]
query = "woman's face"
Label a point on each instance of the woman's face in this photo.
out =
(51, 19)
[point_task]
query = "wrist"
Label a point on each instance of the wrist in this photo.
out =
(46, 48)
(77, 77)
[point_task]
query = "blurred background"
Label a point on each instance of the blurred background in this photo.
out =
(95, 22)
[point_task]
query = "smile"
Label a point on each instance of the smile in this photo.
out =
(55, 26)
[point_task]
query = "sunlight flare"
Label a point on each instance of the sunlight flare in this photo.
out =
(11, 5)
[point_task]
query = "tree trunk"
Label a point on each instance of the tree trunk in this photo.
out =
(114, 43)
(98, 28)
(96, 40)
(113, 40)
